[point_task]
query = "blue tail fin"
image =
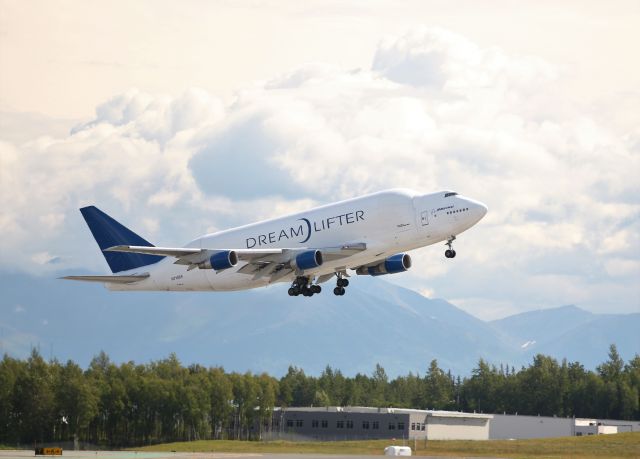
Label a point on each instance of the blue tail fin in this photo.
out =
(107, 232)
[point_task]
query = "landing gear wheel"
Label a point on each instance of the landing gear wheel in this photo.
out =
(302, 285)
(450, 253)
(342, 282)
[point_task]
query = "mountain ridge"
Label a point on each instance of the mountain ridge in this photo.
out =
(265, 330)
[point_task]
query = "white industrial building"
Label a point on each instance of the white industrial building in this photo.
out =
(361, 423)
(507, 426)
(452, 425)
(357, 423)
(593, 427)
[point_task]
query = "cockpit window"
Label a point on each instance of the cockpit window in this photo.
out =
(453, 193)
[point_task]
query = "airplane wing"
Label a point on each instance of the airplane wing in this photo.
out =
(343, 251)
(275, 263)
(126, 279)
(277, 266)
(188, 253)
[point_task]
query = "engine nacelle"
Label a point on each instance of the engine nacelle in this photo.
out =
(307, 260)
(394, 264)
(224, 259)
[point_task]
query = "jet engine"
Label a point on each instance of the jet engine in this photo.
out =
(307, 260)
(224, 259)
(394, 264)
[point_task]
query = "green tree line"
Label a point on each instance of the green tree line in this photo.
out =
(129, 404)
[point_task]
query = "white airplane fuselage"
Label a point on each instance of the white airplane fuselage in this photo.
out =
(386, 223)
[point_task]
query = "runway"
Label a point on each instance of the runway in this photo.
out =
(135, 455)
(150, 455)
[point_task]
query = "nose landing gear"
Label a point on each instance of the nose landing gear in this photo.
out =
(302, 285)
(450, 253)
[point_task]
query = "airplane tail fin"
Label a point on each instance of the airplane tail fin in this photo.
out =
(108, 233)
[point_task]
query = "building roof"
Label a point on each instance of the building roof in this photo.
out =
(459, 414)
(390, 410)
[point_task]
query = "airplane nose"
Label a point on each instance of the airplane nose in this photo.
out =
(479, 210)
(483, 209)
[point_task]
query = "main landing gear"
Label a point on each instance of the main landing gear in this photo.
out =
(450, 253)
(341, 283)
(302, 285)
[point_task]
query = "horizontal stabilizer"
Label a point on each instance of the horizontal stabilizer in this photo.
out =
(128, 279)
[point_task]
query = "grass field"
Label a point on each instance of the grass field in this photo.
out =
(619, 445)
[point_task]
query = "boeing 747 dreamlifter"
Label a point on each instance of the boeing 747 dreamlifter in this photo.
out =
(369, 235)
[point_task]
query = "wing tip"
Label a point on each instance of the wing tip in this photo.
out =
(116, 248)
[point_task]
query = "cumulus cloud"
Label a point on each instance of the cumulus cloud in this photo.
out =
(442, 60)
(434, 111)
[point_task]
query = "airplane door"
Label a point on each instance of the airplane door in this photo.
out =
(425, 224)
(424, 217)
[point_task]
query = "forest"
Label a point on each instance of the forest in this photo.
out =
(136, 404)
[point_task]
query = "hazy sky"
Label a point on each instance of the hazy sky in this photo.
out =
(183, 117)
